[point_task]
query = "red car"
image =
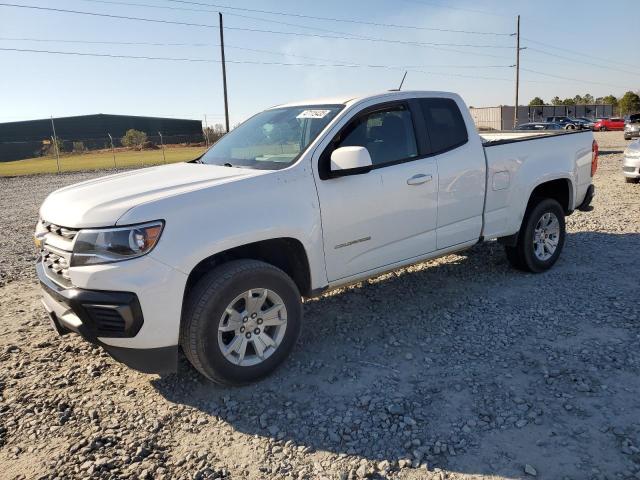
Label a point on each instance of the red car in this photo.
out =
(603, 124)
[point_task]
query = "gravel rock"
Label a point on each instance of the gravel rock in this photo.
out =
(459, 364)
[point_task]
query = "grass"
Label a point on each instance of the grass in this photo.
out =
(98, 161)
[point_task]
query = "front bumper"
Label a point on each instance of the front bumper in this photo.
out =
(632, 133)
(98, 315)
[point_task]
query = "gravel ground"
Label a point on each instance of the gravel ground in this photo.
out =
(458, 368)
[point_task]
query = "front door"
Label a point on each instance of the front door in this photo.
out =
(389, 214)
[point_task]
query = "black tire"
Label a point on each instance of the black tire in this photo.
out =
(205, 305)
(631, 180)
(603, 129)
(522, 256)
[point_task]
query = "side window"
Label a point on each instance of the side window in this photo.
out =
(388, 135)
(444, 122)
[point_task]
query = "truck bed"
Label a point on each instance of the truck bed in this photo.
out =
(517, 161)
(510, 136)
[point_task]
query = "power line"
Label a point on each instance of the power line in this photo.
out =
(204, 60)
(462, 9)
(372, 39)
(268, 12)
(576, 52)
(323, 59)
(436, 46)
(109, 55)
(107, 15)
(256, 50)
(571, 79)
(248, 62)
(363, 38)
(105, 42)
(223, 8)
(581, 62)
(266, 20)
(332, 19)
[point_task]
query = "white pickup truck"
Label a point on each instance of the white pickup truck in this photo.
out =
(214, 256)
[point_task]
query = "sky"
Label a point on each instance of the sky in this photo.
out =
(571, 48)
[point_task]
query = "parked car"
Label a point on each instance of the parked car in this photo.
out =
(213, 256)
(611, 124)
(585, 123)
(631, 162)
(632, 126)
(539, 126)
(567, 123)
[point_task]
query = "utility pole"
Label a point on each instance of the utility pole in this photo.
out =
(113, 152)
(164, 158)
(206, 131)
(224, 73)
(55, 143)
(515, 114)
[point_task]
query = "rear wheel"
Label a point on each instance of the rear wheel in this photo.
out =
(541, 237)
(241, 321)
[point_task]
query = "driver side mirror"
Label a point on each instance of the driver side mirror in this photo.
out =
(350, 161)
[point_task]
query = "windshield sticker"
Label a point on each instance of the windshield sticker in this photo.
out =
(313, 114)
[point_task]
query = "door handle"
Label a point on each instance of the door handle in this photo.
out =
(419, 179)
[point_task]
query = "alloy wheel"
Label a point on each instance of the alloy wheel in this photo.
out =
(252, 327)
(546, 236)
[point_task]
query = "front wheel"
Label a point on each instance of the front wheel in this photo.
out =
(240, 321)
(541, 237)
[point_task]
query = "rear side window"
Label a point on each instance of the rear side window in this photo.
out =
(387, 134)
(445, 124)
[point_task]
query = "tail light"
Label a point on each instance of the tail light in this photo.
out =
(594, 158)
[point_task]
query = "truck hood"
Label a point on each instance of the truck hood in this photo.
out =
(102, 201)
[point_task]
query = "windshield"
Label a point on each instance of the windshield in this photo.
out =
(272, 139)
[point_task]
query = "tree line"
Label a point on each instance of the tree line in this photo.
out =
(626, 104)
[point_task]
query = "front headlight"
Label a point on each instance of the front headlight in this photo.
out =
(107, 245)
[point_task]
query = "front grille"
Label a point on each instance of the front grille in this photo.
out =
(56, 264)
(66, 233)
(56, 250)
(629, 169)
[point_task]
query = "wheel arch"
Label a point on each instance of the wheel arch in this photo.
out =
(286, 253)
(559, 189)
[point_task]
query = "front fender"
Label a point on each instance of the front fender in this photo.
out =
(278, 204)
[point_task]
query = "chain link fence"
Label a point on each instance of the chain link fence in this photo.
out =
(51, 155)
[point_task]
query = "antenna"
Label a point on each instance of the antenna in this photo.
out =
(401, 83)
